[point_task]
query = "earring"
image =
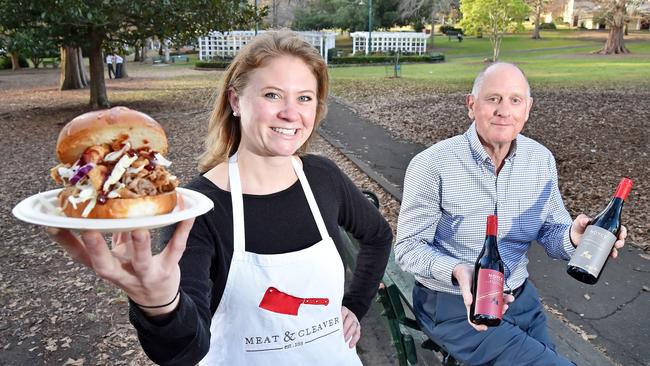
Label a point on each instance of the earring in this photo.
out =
(234, 113)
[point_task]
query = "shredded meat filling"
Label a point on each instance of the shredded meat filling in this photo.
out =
(143, 182)
(142, 187)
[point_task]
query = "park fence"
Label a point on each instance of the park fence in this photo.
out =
(404, 42)
(220, 45)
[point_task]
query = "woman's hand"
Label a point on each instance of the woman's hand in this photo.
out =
(149, 280)
(351, 327)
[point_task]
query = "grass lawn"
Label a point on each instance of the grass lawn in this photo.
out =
(560, 59)
(511, 44)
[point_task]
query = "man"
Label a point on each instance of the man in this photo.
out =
(450, 189)
(109, 62)
(118, 66)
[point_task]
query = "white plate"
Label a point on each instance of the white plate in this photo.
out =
(39, 209)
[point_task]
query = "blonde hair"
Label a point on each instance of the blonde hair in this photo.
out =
(224, 129)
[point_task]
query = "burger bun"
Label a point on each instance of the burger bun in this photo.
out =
(106, 126)
(122, 208)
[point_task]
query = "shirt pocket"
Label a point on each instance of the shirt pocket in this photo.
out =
(531, 212)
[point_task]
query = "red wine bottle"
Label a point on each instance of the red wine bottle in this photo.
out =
(487, 289)
(588, 260)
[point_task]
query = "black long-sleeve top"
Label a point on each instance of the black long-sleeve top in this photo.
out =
(276, 223)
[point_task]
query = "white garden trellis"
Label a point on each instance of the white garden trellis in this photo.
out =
(411, 42)
(228, 44)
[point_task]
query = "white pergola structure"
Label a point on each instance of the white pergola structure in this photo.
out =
(228, 44)
(411, 42)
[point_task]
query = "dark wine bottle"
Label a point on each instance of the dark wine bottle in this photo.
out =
(487, 288)
(588, 260)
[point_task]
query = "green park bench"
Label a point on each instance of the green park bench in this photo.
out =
(172, 59)
(395, 301)
(50, 62)
(179, 58)
(456, 34)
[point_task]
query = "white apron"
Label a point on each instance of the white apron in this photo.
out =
(280, 309)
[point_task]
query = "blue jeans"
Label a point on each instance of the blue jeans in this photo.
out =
(520, 339)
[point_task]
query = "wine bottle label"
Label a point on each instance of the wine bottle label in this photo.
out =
(594, 248)
(489, 293)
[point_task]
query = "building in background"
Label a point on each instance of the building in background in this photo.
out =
(589, 14)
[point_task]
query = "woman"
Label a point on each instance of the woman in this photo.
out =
(259, 279)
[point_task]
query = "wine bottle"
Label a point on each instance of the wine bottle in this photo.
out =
(589, 258)
(487, 288)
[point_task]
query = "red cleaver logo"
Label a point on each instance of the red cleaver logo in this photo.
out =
(278, 302)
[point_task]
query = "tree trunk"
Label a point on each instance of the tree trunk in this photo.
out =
(125, 74)
(495, 38)
(433, 25)
(615, 43)
(80, 66)
(15, 61)
(145, 46)
(73, 75)
(36, 61)
(274, 5)
(136, 57)
(538, 14)
(98, 97)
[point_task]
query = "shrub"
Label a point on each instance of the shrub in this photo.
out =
(386, 59)
(333, 53)
(183, 53)
(5, 62)
(444, 29)
(547, 26)
(212, 64)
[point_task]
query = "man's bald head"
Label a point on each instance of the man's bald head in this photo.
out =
(478, 82)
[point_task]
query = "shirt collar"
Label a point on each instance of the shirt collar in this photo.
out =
(478, 151)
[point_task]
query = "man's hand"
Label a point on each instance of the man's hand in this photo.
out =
(580, 225)
(464, 275)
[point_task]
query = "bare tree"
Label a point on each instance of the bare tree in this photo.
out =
(281, 11)
(537, 7)
(412, 8)
(615, 42)
(615, 13)
(275, 6)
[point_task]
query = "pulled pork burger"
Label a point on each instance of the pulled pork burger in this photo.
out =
(113, 166)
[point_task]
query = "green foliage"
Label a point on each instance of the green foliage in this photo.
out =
(494, 18)
(33, 44)
(444, 29)
(5, 62)
(387, 59)
(547, 26)
(347, 15)
(317, 15)
(96, 25)
(83, 23)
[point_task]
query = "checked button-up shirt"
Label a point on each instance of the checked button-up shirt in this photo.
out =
(449, 190)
